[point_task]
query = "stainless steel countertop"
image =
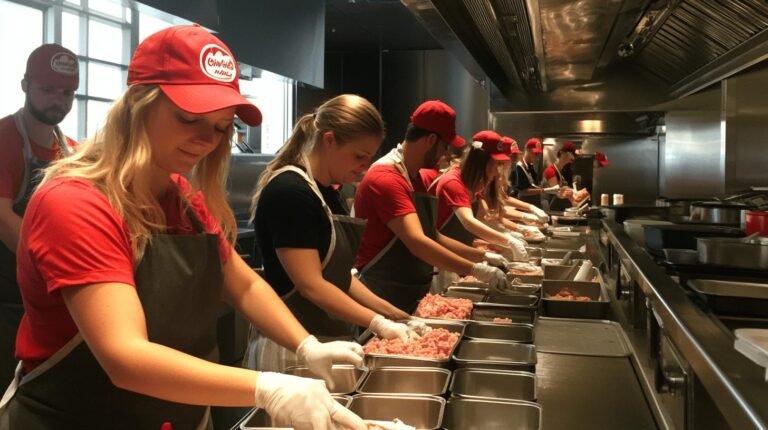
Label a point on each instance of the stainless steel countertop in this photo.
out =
(735, 383)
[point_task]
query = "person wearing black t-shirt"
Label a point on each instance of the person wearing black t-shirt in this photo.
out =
(524, 178)
(305, 235)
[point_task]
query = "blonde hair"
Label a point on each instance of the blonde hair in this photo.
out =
(117, 160)
(347, 116)
(473, 167)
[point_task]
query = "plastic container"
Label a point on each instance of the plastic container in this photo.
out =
(757, 222)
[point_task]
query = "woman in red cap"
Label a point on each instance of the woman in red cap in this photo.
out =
(458, 189)
(122, 264)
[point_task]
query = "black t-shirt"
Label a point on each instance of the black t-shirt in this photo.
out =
(290, 215)
(520, 180)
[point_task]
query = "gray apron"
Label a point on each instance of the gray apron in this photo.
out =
(453, 228)
(179, 282)
(346, 233)
(395, 274)
(11, 308)
(557, 204)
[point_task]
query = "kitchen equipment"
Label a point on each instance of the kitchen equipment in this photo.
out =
(722, 213)
(258, 419)
(493, 385)
(495, 355)
(489, 311)
(744, 299)
(733, 252)
(581, 337)
(618, 199)
(757, 222)
(472, 293)
(528, 301)
(753, 343)
(561, 254)
(346, 378)
(521, 333)
(519, 289)
(422, 412)
(566, 258)
(605, 199)
(376, 360)
(470, 414)
(681, 256)
(406, 381)
(682, 236)
(596, 308)
(625, 212)
(584, 274)
(567, 273)
(635, 228)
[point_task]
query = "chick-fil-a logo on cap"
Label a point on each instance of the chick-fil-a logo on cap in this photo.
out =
(64, 63)
(217, 63)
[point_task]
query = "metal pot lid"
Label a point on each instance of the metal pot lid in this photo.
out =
(720, 205)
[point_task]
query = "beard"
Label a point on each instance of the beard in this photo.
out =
(431, 158)
(52, 115)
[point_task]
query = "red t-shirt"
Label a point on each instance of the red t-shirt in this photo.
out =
(72, 236)
(12, 157)
(427, 177)
(550, 172)
(451, 193)
(383, 194)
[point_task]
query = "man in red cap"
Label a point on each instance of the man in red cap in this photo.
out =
(524, 178)
(29, 140)
(557, 175)
(400, 245)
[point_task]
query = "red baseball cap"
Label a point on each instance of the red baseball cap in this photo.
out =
(513, 148)
(534, 144)
(438, 117)
(601, 159)
(492, 143)
(568, 147)
(194, 69)
(53, 65)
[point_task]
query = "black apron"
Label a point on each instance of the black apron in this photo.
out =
(557, 204)
(11, 308)
(179, 282)
(534, 199)
(346, 233)
(395, 274)
(453, 228)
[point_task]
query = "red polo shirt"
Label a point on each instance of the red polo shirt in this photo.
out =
(451, 193)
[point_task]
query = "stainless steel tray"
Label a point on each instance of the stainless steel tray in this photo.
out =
(596, 309)
(522, 333)
(566, 273)
(374, 361)
(530, 301)
(472, 293)
(560, 253)
(258, 419)
(525, 279)
(493, 384)
(567, 243)
(489, 311)
(520, 289)
(720, 251)
(346, 378)
(581, 337)
(422, 412)
(495, 355)
(470, 414)
(746, 299)
(406, 381)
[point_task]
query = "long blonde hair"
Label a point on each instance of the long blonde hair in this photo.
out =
(118, 158)
(348, 116)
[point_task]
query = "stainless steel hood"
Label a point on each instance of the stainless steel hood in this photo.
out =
(598, 54)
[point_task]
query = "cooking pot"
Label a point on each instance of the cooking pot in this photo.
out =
(757, 222)
(723, 213)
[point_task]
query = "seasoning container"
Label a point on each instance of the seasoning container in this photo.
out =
(618, 199)
(605, 199)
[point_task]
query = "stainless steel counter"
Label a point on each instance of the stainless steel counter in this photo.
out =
(735, 385)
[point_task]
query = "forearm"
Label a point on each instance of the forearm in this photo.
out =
(518, 204)
(361, 294)
(329, 298)
(477, 228)
(468, 252)
(10, 229)
(436, 255)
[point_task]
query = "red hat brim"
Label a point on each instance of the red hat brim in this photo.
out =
(603, 163)
(501, 157)
(458, 141)
(205, 98)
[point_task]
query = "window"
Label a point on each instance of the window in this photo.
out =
(273, 94)
(21, 31)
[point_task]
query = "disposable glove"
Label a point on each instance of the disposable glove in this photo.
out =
(489, 274)
(543, 217)
(302, 403)
(419, 327)
(387, 329)
(555, 189)
(515, 234)
(530, 218)
(320, 357)
(495, 259)
(517, 247)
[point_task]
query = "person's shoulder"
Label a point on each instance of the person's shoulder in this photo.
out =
(382, 175)
(8, 129)
(69, 196)
(288, 189)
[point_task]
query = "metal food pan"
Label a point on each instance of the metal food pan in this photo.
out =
(566, 273)
(406, 381)
(346, 378)
(522, 333)
(495, 355)
(525, 279)
(258, 419)
(720, 251)
(520, 289)
(566, 243)
(489, 311)
(530, 301)
(595, 309)
(470, 414)
(422, 412)
(484, 384)
(745, 299)
(472, 293)
(374, 361)
(560, 253)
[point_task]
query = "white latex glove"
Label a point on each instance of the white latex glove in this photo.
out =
(492, 275)
(514, 234)
(529, 229)
(518, 249)
(388, 329)
(419, 327)
(529, 218)
(543, 217)
(320, 357)
(302, 403)
(495, 259)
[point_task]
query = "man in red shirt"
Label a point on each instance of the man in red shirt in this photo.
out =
(400, 246)
(29, 140)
